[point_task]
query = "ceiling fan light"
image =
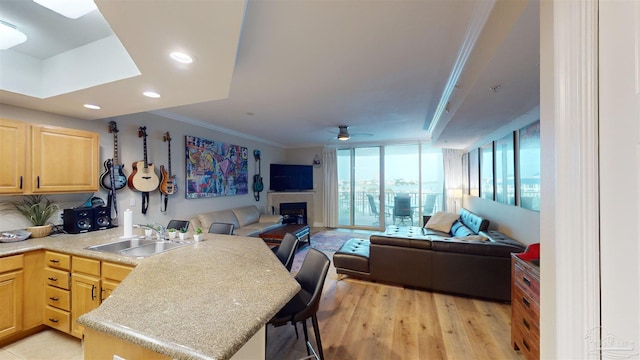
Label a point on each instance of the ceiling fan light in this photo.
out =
(72, 9)
(10, 36)
(343, 134)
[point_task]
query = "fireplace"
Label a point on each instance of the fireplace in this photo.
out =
(294, 213)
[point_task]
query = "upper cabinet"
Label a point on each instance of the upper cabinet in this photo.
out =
(47, 159)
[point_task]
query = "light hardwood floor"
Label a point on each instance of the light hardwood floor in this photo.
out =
(365, 320)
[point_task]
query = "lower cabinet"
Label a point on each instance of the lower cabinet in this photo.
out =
(11, 291)
(75, 285)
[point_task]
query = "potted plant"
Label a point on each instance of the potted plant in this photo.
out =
(198, 234)
(172, 233)
(183, 233)
(38, 210)
(148, 231)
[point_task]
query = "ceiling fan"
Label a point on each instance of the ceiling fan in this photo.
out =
(343, 133)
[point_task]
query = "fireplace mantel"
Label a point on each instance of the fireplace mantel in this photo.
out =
(276, 198)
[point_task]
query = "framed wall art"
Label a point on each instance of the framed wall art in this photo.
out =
(486, 171)
(215, 168)
(505, 170)
(529, 166)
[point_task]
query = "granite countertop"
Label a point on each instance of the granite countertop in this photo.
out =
(201, 301)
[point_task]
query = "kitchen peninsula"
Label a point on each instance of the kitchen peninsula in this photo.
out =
(202, 301)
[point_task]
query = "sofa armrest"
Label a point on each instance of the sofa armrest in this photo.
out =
(270, 219)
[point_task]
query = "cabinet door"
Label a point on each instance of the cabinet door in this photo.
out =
(11, 303)
(13, 143)
(85, 296)
(64, 160)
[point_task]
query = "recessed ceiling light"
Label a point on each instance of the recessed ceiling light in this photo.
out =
(151, 94)
(181, 57)
(92, 107)
(72, 9)
(10, 36)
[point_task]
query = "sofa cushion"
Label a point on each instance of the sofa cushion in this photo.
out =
(247, 215)
(442, 221)
(473, 221)
(223, 216)
(474, 247)
(459, 230)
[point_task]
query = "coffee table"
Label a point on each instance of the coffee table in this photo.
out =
(275, 236)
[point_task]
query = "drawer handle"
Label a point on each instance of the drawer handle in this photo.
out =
(526, 281)
(102, 292)
(526, 324)
(93, 292)
(53, 320)
(53, 279)
(524, 342)
(20, 182)
(53, 298)
(526, 302)
(54, 260)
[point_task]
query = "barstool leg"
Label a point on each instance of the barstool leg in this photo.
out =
(306, 335)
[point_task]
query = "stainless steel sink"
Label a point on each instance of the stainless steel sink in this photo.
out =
(137, 247)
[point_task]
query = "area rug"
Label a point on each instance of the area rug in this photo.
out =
(327, 241)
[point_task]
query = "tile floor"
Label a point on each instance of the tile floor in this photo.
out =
(45, 345)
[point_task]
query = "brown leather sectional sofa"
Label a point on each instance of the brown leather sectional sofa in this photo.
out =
(455, 262)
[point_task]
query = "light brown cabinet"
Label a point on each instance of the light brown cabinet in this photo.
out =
(57, 280)
(525, 307)
(75, 285)
(11, 293)
(47, 159)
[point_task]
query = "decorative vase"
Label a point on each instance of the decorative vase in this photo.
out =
(39, 231)
(172, 234)
(148, 232)
(182, 235)
(196, 237)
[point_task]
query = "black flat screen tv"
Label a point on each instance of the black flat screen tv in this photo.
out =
(283, 177)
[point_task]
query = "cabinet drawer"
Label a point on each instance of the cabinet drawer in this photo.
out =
(58, 298)
(56, 318)
(527, 281)
(524, 302)
(57, 260)
(86, 266)
(530, 347)
(10, 263)
(57, 278)
(115, 271)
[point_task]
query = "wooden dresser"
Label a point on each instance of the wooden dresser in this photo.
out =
(525, 302)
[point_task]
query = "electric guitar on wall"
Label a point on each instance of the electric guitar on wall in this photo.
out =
(168, 184)
(119, 177)
(258, 186)
(143, 178)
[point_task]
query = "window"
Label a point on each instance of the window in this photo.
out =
(412, 170)
(505, 171)
(529, 166)
(486, 171)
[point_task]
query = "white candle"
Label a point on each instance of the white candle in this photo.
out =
(128, 224)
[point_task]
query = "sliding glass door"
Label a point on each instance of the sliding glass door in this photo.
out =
(412, 185)
(359, 187)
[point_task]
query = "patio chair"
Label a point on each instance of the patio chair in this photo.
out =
(402, 209)
(374, 208)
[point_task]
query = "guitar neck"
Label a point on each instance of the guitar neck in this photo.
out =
(115, 150)
(144, 142)
(169, 158)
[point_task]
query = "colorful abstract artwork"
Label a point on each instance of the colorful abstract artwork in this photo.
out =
(215, 168)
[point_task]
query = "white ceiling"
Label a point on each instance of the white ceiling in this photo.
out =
(289, 72)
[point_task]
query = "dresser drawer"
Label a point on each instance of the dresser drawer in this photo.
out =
(86, 266)
(57, 319)
(530, 347)
(523, 301)
(115, 272)
(58, 298)
(57, 260)
(57, 278)
(527, 281)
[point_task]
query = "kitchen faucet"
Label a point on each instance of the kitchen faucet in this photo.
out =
(159, 229)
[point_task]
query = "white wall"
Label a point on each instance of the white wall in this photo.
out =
(620, 175)
(514, 221)
(130, 150)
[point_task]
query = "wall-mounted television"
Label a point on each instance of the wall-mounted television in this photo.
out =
(284, 177)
